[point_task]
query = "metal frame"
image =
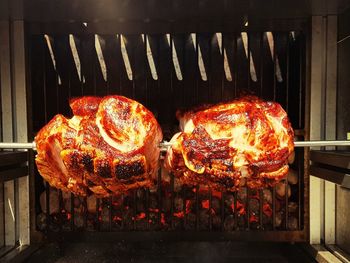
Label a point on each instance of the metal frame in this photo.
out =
(332, 166)
(14, 182)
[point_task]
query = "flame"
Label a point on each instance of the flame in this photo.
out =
(267, 210)
(69, 216)
(117, 218)
(205, 204)
(240, 208)
(188, 206)
(141, 216)
(216, 194)
(253, 218)
(179, 214)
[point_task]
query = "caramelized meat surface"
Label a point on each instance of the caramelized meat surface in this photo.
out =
(247, 141)
(109, 146)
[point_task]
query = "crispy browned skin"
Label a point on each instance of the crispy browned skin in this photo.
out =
(245, 140)
(108, 147)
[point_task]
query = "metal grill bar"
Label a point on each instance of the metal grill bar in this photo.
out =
(222, 210)
(197, 206)
(210, 210)
(172, 200)
(72, 212)
(261, 203)
(235, 210)
(98, 226)
(31, 145)
(47, 190)
(110, 206)
(286, 204)
(248, 208)
(274, 208)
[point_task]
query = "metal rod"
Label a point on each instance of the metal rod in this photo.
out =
(17, 145)
(296, 144)
(165, 144)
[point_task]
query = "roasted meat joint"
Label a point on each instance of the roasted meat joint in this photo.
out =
(109, 146)
(245, 142)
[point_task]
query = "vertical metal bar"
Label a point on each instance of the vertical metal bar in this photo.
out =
(123, 212)
(195, 100)
(301, 78)
(235, 56)
(248, 58)
(172, 199)
(2, 216)
(98, 224)
(147, 209)
(274, 72)
(261, 203)
(135, 212)
(274, 208)
(16, 211)
(235, 212)
(85, 212)
(222, 210)
(197, 207)
(184, 206)
(210, 210)
(72, 212)
(60, 209)
(248, 208)
(287, 73)
(300, 185)
(159, 191)
(261, 63)
(223, 71)
(110, 204)
(47, 192)
(286, 204)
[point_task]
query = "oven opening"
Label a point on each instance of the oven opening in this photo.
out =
(166, 73)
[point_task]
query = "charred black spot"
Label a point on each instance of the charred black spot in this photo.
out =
(74, 159)
(104, 170)
(126, 171)
(227, 182)
(90, 183)
(87, 162)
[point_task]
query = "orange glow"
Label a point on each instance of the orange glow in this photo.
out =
(205, 204)
(179, 214)
(216, 194)
(141, 216)
(162, 219)
(253, 219)
(117, 218)
(267, 210)
(69, 216)
(240, 208)
(188, 206)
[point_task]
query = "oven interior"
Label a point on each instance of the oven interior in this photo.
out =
(168, 56)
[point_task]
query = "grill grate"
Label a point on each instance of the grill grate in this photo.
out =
(272, 70)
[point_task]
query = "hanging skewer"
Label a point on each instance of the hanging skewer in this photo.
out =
(165, 144)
